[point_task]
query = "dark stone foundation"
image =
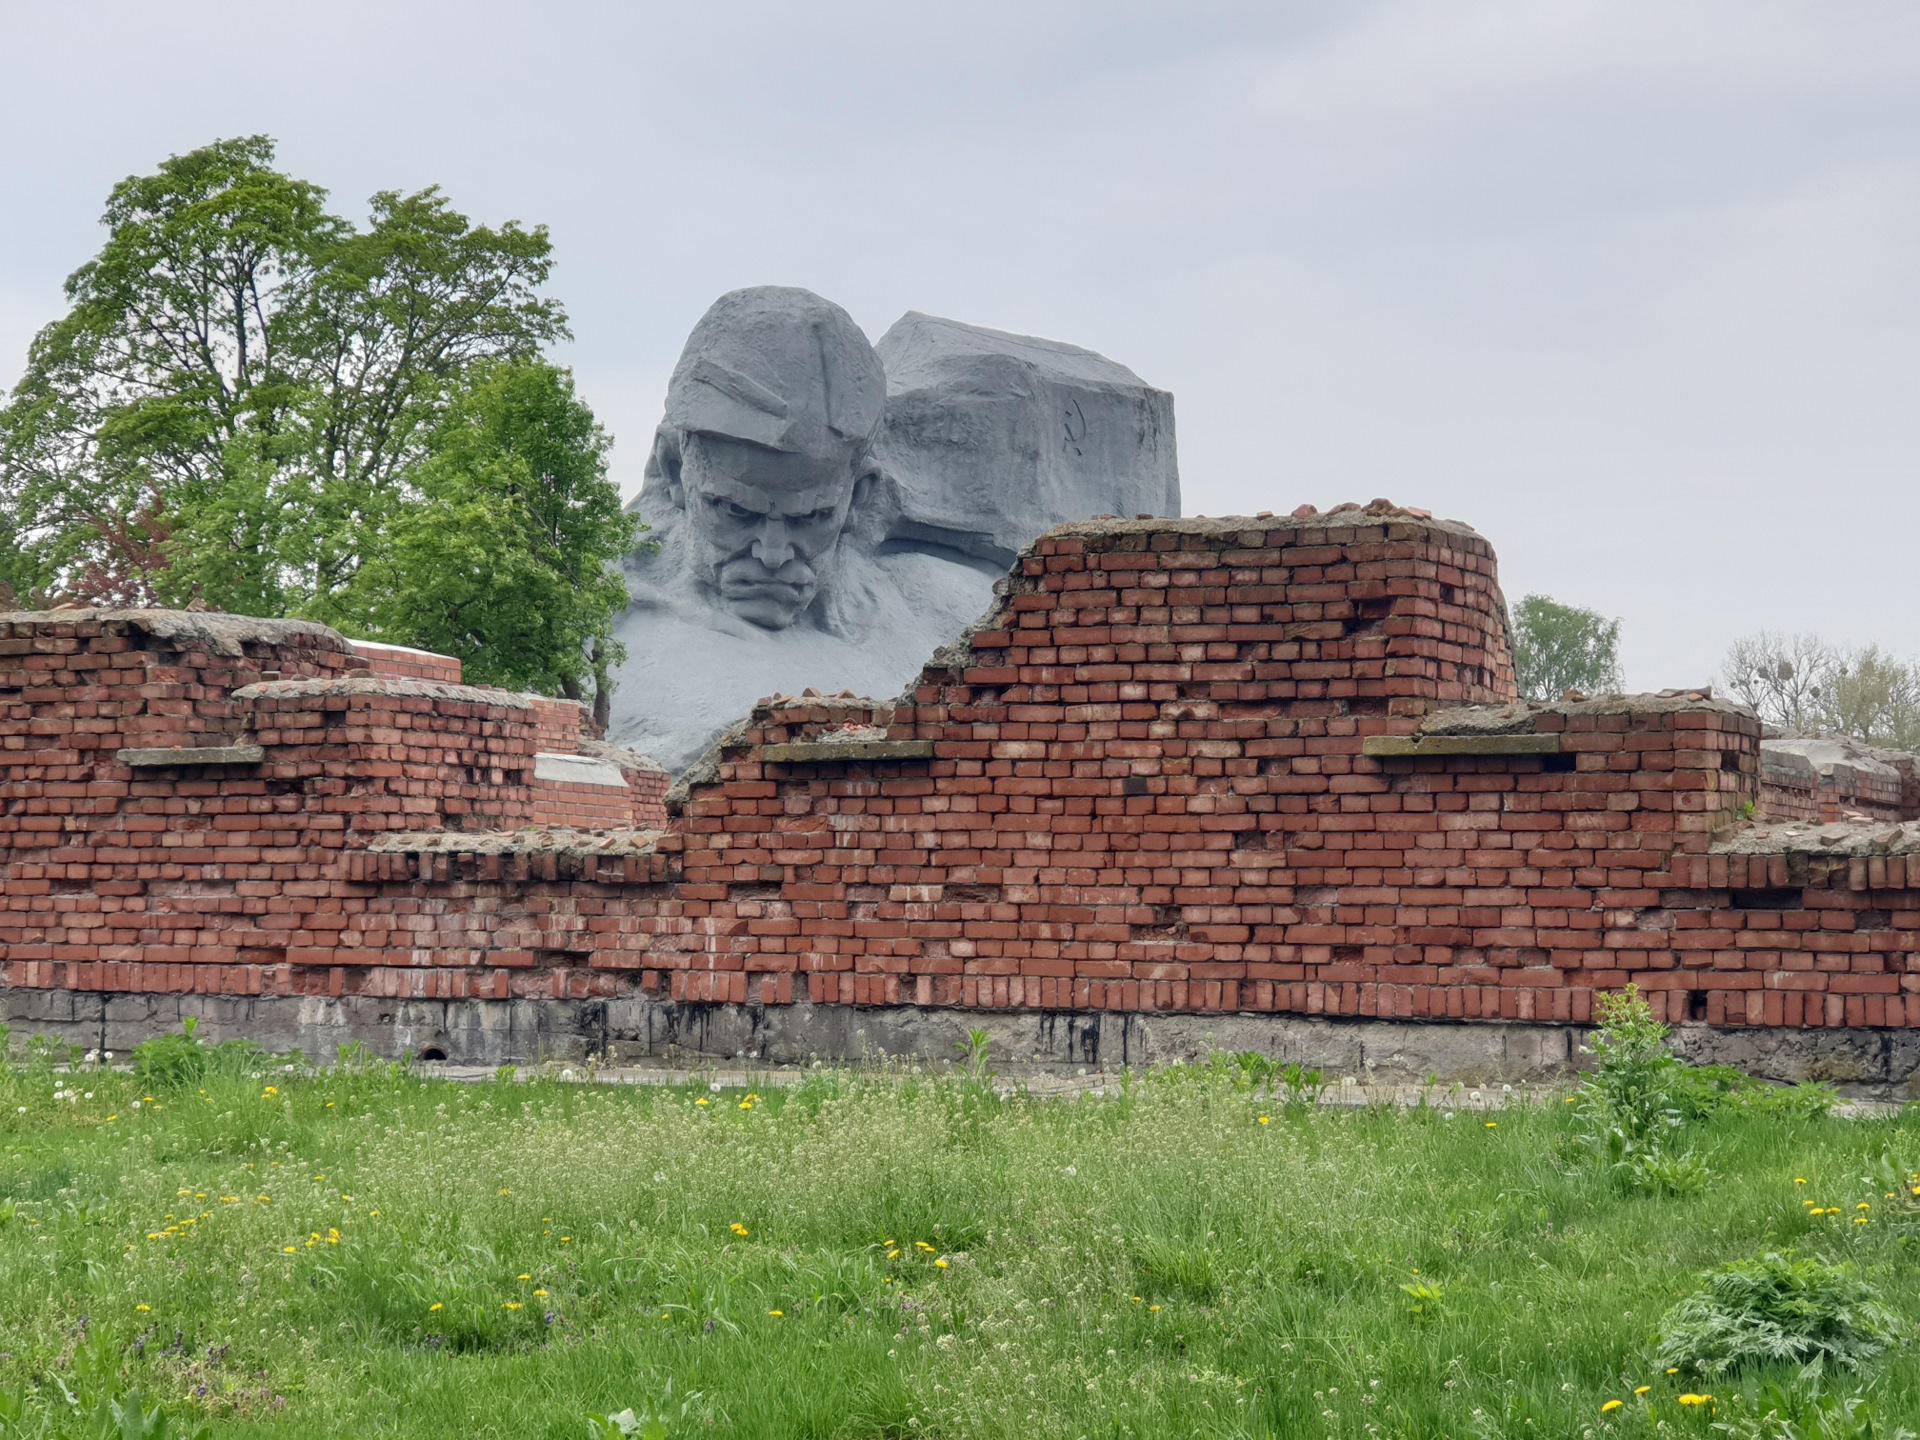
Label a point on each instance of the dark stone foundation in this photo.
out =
(1866, 1063)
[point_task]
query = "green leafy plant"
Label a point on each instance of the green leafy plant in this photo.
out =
(1302, 1087)
(973, 1055)
(655, 1422)
(1776, 1310)
(1805, 1412)
(1426, 1303)
(1634, 1078)
(1638, 1095)
(1699, 1091)
(97, 1405)
(178, 1061)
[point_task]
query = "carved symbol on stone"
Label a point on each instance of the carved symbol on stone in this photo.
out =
(1074, 422)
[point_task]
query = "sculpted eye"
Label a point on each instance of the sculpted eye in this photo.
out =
(736, 512)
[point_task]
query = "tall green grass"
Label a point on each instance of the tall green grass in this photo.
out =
(363, 1252)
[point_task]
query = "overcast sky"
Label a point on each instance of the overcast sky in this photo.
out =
(1631, 286)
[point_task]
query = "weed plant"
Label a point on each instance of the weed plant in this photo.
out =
(1194, 1251)
(1776, 1310)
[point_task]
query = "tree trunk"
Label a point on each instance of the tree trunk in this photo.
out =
(602, 689)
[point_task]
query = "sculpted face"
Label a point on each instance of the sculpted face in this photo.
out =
(764, 523)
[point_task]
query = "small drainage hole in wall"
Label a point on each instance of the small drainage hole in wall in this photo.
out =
(433, 1052)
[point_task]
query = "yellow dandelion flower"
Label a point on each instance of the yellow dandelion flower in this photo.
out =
(1611, 1405)
(1641, 1389)
(523, 1277)
(776, 1312)
(1673, 1370)
(701, 1101)
(1863, 1205)
(1266, 1119)
(1799, 1179)
(566, 1239)
(1492, 1123)
(433, 1307)
(738, 1228)
(1151, 1309)
(922, 1245)
(1696, 1399)
(746, 1104)
(143, 1307)
(1860, 1220)
(511, 1305)
(270, 1091)
(505, 1191)
(893, 1254)
(288, 1249)
(540, 1294)
(940, 1264)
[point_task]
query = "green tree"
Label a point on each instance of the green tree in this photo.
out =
(506, 560)
(253, 401)
(1558, 647)
(254, 376)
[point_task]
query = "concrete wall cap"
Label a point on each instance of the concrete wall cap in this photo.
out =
(539, 840)
(212, 631)
(381, 685)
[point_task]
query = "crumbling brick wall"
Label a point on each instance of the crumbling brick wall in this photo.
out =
(1829, 777)
(1256, 766)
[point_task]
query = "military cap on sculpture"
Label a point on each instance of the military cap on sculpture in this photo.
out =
(780, 368)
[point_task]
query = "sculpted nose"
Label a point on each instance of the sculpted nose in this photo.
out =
(773, 549)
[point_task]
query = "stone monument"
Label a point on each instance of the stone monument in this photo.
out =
(828, 514)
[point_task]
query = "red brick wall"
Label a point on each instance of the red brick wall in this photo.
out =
(559, 802)
(561, 723)
(398, 662)
(1149, 790)
(649, 798)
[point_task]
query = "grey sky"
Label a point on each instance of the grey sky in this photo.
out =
(1630, 286)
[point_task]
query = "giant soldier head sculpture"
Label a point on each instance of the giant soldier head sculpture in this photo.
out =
(767, 449)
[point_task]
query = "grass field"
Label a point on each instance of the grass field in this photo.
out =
(363, 1252)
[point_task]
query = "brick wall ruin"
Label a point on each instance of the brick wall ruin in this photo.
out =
(1205, 773)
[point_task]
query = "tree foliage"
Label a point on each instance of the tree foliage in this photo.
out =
(1558, 647)
(1808, 686)
(255, 402)
(505, 562)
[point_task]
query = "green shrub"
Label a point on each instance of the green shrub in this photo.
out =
(179, 1062)
(1776, 1310)
(1699, 1091)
